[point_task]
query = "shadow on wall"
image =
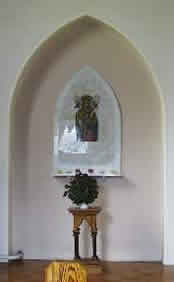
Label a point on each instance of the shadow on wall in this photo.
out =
(106, 218)
(109, 222)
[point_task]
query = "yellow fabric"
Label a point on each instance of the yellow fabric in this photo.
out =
(65, 272)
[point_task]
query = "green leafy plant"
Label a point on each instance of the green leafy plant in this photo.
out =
(82, 189)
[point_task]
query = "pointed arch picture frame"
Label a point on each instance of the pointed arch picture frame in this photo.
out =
(87, 127)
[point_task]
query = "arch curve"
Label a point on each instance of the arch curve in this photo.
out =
(65, 29)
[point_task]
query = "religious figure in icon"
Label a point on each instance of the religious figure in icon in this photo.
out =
(86, 121)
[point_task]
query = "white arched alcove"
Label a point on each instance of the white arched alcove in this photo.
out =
(131, 226)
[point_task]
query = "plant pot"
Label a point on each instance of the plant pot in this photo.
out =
(83, 206)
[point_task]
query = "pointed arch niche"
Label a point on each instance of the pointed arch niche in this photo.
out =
(132, 226)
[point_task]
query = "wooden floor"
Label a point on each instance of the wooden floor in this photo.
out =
(31, 271)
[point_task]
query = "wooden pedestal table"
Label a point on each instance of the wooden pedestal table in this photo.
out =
(89, 215)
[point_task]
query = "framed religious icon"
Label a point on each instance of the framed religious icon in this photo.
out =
(87, 129)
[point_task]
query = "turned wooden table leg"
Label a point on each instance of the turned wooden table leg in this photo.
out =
(94, 245)
(76, 244)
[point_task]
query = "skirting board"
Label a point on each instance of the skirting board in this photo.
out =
(111, 259)
(6, 258)
(3, 259)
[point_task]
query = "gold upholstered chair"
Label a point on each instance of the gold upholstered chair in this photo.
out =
(65, 272)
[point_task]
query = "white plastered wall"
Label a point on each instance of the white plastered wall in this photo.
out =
(131, 224)
(148, 23)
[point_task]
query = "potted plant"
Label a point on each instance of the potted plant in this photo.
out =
(82, 190)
